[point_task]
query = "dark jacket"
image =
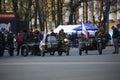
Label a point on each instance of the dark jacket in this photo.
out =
(115, 33)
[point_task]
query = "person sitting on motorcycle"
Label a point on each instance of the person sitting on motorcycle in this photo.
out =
(10, 43)
(37, 36)
(53, 33)
(51, 38)
(61, 35)
(100, 32)
(103, 35)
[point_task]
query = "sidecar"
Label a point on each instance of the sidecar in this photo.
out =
(94, 43)
(52, 45)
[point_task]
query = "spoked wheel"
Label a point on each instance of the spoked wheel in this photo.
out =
(100, 48)
(11, 51)
(60, 53)
(80, 52)
(42, 51)
(1, 50)
(24, 51)
(52, 53)
(86, 51)
(67, 51)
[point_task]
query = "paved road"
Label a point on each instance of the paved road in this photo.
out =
(73, 67)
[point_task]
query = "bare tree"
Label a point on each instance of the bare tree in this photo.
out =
(42, 10)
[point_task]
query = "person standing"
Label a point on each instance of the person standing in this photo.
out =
(61, 35)
(20, 38)
(2, 43)
(115, 37)
(10, 43)
(100, 32)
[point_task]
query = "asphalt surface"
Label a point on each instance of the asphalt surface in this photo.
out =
(72, 67)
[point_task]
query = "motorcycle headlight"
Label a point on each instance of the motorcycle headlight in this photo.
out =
(65, 40)
(43, 44)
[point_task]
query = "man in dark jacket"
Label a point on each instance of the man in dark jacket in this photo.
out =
(10, 43)
(2, 44)
(115, 37)
(52, 33)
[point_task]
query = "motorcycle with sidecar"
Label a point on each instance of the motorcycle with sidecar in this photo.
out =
(52, 45)
(93, 43)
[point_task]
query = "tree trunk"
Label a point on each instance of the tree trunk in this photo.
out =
(58, 13)
(72, 9)
(106, 15)
(0, 5)
(36, 12)
(28, 10)
(86, 11)
(15, 5)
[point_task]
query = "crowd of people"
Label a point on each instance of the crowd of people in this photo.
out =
(29, 36)
(9, 40)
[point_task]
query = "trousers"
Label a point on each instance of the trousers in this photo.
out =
(116, 44)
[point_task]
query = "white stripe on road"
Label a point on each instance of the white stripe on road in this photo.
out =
(37, 63)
